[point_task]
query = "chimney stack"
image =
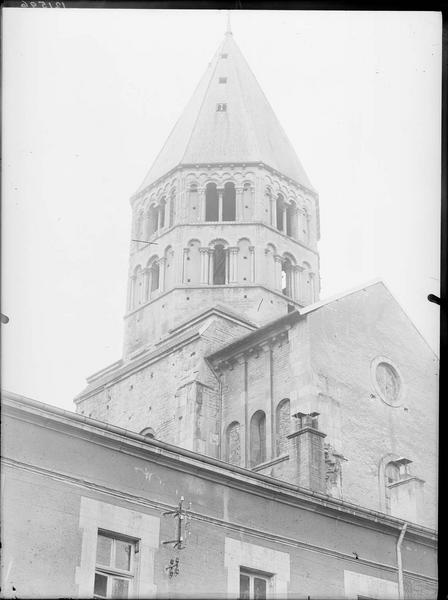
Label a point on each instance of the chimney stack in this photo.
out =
(306, 453)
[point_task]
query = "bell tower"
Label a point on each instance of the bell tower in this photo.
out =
(225, 216)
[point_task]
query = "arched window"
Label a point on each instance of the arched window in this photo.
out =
(219, 265)
(287, 287)
(229, 202)
(282, 426)
(257, 438)
(162, 207)
(211, 203)
(280, 210)
(154, 276)
(233, 443)
(391, 475)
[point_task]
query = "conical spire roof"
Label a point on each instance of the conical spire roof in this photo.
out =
(246, 131)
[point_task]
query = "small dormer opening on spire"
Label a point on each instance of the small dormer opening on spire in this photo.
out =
(221, 107)
(224, 55)
(222, 80)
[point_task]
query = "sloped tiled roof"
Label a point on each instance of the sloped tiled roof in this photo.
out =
(247, 131)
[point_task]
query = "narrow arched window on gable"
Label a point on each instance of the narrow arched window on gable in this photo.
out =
(257, 438)
(233, 443)
(282, 426)
(154, 275)
(211, 203)
(219, 265)
(229, 202)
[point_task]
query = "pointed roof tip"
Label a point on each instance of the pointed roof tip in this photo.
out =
(228, 27)
(249, 131)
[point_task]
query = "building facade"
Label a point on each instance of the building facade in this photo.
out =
(302, 431)
(86, 500)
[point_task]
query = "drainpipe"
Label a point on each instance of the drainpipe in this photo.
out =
(399, 562)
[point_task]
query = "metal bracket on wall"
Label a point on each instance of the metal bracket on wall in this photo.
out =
(183, 525)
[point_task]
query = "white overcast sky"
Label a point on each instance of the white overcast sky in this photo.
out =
(89, 97)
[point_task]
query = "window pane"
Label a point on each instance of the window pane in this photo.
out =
(122, 555)
(100, 588)
(103, 550)
(120, 588)
(259, 588)
(244, 586)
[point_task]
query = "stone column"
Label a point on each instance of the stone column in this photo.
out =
(312, 287)
(145, 231)
(233, 256)
(158, 217)
(162, 265)
(131, 292)
(239, 203)
(306, 454)
(295, 223)
(184, 265)
(284, 215)
(211, 254)
(220, 195)
(201, 204)
(252, 263)
(146, 287)
(204, 253)
(273, 211)
(278, 271)
(299, 278)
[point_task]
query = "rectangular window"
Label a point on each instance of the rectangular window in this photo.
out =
(223, 80)
(115, 566)
(254, 584)
(224, 55)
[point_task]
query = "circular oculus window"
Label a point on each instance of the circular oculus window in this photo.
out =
(387, 383)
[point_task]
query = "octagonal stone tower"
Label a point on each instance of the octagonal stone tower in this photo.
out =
(225, 216)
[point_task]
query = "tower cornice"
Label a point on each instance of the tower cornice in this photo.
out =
(213, 166)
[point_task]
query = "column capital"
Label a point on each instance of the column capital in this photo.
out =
(278, 258)
(252, 248)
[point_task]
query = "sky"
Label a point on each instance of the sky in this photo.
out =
(89, 98)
